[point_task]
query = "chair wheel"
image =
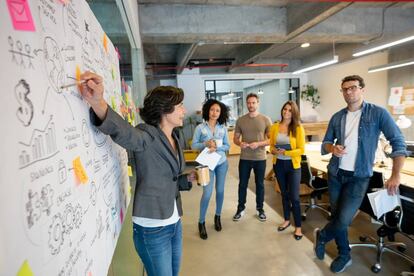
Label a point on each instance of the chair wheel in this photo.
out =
(401, 248)
(362, 239)
(375, 269)
(303, 218)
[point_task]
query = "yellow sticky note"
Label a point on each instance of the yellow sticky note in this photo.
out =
(113, 104)
(129, 171)
(113, 72)
(80, 171)
(25, 269)
(129, 118)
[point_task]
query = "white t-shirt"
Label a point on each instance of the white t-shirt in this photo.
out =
(347, 162)
(148, 222)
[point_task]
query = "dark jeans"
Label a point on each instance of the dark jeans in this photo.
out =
(259, 168)
(346, 193)
(159, 248)
(288, 179)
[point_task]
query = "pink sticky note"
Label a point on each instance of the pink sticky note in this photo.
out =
(21, 15)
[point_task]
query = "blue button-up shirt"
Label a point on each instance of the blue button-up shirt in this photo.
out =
(203, 133)
(374, 119)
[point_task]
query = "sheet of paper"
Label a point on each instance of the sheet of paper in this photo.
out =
(313, 146)
(382, 202)
(395, 96)
(209, 159)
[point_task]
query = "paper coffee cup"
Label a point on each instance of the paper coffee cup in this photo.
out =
(219, 142)
(203, 175)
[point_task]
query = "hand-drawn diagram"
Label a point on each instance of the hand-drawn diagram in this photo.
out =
(85, 133)
(60, 225)
(36, 205)
(22, 54)
(42, 145)
(25, 110)
(54, 64)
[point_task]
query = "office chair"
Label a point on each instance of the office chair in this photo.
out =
(406, 224)
(390, 227)
(318, 186)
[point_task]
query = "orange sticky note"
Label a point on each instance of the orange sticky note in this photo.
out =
(129, 171)
(25, 269)
(80, 171)
(105, 42)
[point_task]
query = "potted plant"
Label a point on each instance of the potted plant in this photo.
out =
(310, 93)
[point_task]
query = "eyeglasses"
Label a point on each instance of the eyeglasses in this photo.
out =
(352, 88)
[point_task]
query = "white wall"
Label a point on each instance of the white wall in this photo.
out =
(169, 82)
(192, 84)
(328, 82)
(275, 94)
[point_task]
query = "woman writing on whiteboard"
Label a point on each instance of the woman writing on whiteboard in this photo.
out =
(287, 144)
(212, 134)
(160, 162)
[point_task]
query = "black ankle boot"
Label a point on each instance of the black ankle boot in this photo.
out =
(202, 230)
(217, 223)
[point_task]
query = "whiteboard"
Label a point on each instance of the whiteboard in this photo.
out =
(64, 186)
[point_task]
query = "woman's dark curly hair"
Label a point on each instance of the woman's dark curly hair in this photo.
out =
(160, 101)
(224, 111)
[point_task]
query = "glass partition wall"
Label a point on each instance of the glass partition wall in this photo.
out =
(273, 93)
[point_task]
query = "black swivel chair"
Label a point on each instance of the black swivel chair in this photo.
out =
(318, 186)
(406, 224)
(391, 225)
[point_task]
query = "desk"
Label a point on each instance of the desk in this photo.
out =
(318, 163)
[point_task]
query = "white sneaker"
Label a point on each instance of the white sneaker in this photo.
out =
(238, 215)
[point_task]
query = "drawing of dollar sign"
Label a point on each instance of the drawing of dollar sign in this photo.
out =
(25, 110)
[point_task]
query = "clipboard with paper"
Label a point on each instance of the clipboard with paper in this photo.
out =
(209, 159)
(381, 202)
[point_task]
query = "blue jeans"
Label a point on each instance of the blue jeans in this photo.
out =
(346, 193)
(288, 179)
(259, 168)
(219, 172)
(159, 248)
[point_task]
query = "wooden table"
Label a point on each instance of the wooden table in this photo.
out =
(320, 163)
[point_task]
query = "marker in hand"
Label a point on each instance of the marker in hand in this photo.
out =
(72, 84)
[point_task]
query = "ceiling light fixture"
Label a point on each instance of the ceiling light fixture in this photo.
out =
(317, 66)
(391, 65)
(260, 92)
(291, 91)
(383, 46)
(305, 45)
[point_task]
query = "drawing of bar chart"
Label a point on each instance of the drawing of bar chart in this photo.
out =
(42, 145)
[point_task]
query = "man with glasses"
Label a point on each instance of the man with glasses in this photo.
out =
(352, 138)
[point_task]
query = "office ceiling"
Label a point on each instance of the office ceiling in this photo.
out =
(237, 36)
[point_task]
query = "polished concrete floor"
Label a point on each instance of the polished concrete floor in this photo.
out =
(251, 247)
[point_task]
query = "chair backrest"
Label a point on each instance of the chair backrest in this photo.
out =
(407, 205)
(306, 174)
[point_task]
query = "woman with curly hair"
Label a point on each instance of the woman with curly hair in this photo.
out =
(212, 133)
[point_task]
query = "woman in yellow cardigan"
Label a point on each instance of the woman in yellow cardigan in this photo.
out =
(287, 144)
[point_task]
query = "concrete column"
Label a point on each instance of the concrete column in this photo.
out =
(139, 85)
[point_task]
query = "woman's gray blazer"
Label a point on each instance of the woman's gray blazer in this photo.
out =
(159, 169)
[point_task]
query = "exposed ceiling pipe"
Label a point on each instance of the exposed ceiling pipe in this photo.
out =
(159, 68)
